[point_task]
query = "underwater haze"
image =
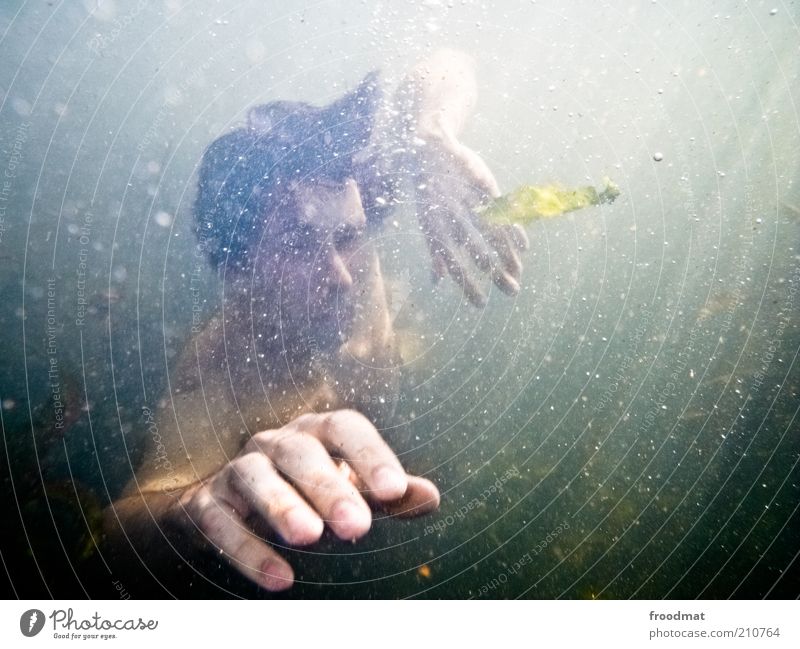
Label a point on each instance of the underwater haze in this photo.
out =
(625, 427)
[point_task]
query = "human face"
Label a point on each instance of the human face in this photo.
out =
(314, 261)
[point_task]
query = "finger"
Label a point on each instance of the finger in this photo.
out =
(505, 282)
(502, 263)
(434, 238)
(430, 221)
(510, 263)
(224, 528)
(420, 498)
(468, 236)
(501, 241)
(501, 260)
(303, 459)
(471, 290)
(519, 237)
(255, 479)
(351, 436)
(439, 267)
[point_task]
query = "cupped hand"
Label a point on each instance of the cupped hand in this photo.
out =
(451, 181)
(290, 480)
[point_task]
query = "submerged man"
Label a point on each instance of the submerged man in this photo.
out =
(255, 426)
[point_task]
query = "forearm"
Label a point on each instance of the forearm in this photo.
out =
(431, 105)
(440, 94)
(146, 528)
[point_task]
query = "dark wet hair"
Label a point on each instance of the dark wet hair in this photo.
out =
(246, 174)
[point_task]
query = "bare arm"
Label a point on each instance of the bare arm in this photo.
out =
(147, 524)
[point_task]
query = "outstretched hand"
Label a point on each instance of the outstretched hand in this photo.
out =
(289, 480)
(436, 99)
(451, 180)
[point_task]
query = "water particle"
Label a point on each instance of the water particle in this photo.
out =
(658, 156)
(21, 107)
(164, 219)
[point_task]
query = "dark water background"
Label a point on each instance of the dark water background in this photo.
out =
(635, 406)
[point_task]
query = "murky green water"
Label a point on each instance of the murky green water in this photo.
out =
(625, 427)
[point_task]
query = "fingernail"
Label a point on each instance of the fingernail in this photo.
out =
(513, 285)
(302, 527)
(389, 483)
(349, 521)
(276, 576)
